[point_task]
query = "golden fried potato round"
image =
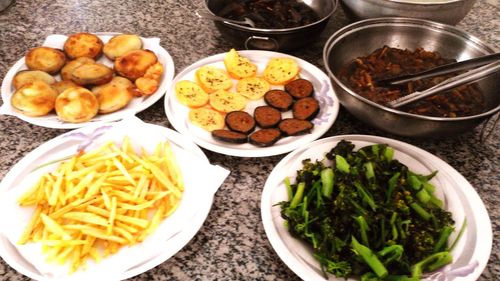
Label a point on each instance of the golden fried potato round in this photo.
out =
(45, 59)
(34, 99)
(134, 64)
(24, 77)
(121, 44)
(76, 105)
(61, 86)
(92, 74)
(206, 118)
(114, 95)
(70, 66)
(83, 45)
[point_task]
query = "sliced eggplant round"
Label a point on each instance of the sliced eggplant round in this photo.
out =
(240, 121)
(295, 127)
(279, 99)
(300, 88)
(265, 137)
(267, 116)
(229, 136)
(305, 109)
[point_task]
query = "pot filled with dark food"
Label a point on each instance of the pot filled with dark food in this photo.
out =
(360, 55)
(270, 24)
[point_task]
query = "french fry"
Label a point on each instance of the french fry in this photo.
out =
(31, 225)
(99, 201)
(54, 227)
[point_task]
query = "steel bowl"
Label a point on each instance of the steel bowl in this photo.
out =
(274, 39)
(444, 11)
(362, 38)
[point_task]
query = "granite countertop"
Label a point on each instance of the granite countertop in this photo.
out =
(231, 244)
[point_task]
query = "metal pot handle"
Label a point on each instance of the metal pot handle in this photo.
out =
(264, 43)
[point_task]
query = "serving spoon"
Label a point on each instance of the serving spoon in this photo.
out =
(207, 15)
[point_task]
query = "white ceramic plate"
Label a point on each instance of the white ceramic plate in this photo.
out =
(470, 254)
(172, 234)
(137, 104)
(177, 113)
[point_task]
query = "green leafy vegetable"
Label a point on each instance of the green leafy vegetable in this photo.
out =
(365, 214)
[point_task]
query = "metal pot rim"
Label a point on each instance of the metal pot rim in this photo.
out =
(409, 21)
(425, 3)
(278, 30)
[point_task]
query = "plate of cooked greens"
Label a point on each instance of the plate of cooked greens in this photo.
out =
(372, 208)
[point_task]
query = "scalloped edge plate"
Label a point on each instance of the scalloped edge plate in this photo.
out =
(137, 104)
(177, 113)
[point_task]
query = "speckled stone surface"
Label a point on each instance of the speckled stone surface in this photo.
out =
(232, 244)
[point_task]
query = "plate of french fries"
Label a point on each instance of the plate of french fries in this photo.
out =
(106, 202)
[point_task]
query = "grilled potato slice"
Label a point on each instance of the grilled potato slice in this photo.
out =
(239, 67)
(92, 74)
(212, 79)
(119, 45)
(61, 86)
(206, 118)
(34, 99)
(114, 95)
(70, 66)
(83, 45)
(45, 59)
(225, 101)
(252, 88)
(190, 94)
(76, 105)
(24, 77)
(280, 71)
(134, 64)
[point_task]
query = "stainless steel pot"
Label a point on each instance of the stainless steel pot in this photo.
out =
(362, 38)
(4, 4)
(274, 39)
(444, 11)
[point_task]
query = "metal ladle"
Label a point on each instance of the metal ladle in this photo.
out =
(207, 15)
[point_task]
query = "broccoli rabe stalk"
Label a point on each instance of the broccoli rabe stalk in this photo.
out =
(370, 276)
(388, 153)
(365, 195)
(443, 238)
(369, 258)
(363, 228)
(341, 164)
(431, 263)
(327, 178)
(369, 173)
(289, 190)
(393, 181)
(297, 198)
(391, 253)
(420, 211)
